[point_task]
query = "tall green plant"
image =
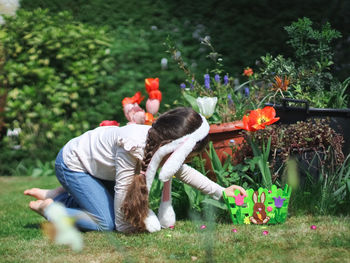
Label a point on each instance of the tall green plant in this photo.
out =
(262, 158)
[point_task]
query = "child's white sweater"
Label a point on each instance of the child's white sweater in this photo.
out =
(111, 153)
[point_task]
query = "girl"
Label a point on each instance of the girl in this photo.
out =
(106, 173)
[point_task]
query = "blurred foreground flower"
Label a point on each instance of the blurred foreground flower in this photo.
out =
(61, 229)
(207, 105)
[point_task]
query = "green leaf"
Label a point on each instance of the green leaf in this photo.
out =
(214, 158)
(192, 101)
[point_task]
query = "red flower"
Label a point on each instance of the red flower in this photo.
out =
(248, 72)
(155, 95)
(109, 123)
(137, 98)
(258, 119)
(151, 84)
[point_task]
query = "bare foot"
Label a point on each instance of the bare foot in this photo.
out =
(42, 194)
(40, 205)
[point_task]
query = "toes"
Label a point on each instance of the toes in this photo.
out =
(30, 191)
(34, 205)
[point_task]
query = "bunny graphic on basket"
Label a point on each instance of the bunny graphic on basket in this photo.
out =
(259, 214)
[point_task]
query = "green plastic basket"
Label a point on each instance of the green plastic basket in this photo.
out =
(273, 210)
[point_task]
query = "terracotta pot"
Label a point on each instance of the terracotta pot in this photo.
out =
(225, 137)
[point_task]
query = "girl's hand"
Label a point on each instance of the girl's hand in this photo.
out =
(229, 191)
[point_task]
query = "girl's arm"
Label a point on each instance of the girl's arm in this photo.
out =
(197, 180)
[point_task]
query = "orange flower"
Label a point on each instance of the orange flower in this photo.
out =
(258, 119)
(155, 95)
(151, 84)
(248, 72)
(149, 119)
(137, 98)
(280, 84)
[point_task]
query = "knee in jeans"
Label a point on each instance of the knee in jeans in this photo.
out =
(107, 225)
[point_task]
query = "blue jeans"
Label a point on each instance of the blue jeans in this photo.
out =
(87, 198)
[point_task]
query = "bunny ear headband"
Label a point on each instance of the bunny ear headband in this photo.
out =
(180, 149)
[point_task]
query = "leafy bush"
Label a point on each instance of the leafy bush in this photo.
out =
(53, 73)
(307, 74)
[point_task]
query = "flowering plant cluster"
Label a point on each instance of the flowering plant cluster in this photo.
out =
(132, 109)
(217, 96)
(306, 75)
(259, 119)
(131, 105)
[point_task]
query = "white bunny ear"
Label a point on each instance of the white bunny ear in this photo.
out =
(156, 159)
(180, 148)
(176, 159)
(255, 197)
(262, 197)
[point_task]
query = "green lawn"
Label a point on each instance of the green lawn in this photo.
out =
(21, 239)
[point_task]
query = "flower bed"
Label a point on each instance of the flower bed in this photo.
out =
(259, 207)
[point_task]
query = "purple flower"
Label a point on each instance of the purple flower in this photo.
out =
(217, 78)
(183, 86)
(191, 84)
(230, 101)
(246, 91)
(278, 201)
(225, 79)
(207, 81)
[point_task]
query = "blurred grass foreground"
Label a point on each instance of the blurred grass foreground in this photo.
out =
(22, 240)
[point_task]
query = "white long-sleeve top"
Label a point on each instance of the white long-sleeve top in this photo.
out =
(111, 153)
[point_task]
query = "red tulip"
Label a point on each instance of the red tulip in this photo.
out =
(134, 113)
(155, 95)
(109, 123)
(151, 84)
(152, 106)
(137, 98)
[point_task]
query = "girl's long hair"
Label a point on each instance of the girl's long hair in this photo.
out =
(169, 126)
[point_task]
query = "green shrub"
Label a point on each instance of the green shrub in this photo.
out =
(54, 72)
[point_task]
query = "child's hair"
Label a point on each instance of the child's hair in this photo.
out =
(169, 126)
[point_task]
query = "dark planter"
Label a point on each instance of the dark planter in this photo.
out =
(339, 118)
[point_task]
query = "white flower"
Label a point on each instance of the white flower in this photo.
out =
(8, 7)
(66, 233)
(207, 105)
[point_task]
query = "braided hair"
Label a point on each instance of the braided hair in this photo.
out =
(168, 127)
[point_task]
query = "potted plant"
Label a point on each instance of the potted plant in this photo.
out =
(218, 98)
(302, 87)
(312, 143)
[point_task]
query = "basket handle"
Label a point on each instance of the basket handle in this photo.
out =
(285, 106)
